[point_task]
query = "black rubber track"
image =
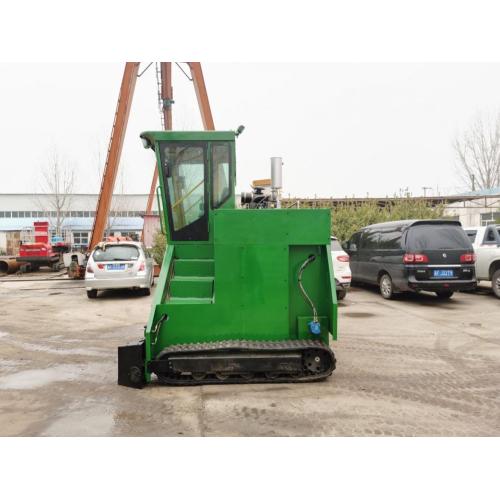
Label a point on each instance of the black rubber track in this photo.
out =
(231, 347)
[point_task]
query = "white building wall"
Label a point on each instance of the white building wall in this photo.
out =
(87, 202)
(16, 212)
(475, 212)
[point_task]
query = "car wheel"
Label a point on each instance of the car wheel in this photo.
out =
(386, 287)
(92, 294)
(341, 294)
(444, 294)
(495, 283)
(146, 291)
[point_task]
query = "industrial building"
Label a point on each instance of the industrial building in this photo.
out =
(475, 208)
(75, 216)
(19, 211)
(482, 208)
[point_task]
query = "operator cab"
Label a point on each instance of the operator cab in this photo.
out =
(197, 176)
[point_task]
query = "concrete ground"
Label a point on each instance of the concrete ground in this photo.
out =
(414, 366)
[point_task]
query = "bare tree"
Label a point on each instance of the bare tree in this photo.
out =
(478, 153)
(98, 158)
(119, 203)
(57, 184)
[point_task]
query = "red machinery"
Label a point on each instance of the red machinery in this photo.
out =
(40, 252)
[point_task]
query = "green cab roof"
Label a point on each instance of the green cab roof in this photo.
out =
(202, 135)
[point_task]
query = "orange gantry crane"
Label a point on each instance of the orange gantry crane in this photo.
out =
(130, 75)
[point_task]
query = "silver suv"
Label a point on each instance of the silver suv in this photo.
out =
(122, 264)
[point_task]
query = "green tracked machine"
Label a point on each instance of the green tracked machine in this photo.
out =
(244, 294)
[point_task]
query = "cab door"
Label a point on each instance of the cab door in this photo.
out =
(185, 170)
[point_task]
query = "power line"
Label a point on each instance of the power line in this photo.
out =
(144, 70)
(186, 75)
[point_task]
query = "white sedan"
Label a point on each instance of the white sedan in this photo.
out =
(341, 268)
(120, 264)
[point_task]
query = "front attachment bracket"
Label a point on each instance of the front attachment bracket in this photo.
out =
(131, 358)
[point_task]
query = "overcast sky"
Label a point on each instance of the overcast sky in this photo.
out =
(342, 129)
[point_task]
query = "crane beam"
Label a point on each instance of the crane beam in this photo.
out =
(114, 152)
(202, 95)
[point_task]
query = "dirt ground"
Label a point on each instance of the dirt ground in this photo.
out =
(414, 366)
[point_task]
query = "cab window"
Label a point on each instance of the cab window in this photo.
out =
(221, 180)
(185, 167)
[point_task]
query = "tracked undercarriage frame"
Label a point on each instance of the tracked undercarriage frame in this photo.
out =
(237, 362)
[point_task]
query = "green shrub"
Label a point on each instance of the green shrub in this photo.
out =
(159, 246)
(348, 217)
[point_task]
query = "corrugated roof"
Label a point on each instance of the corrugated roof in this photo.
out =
(73, 223)
(145, 195)
(484, 192)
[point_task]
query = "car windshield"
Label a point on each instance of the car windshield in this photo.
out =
(336, 245)
(437, 237)
(116, 252)
(472, 235)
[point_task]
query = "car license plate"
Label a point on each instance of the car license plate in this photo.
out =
(115, 267)
(443, 273)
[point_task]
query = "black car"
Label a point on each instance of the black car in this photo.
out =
(413, 255)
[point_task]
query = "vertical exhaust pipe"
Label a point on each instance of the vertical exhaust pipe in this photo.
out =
(276, 179)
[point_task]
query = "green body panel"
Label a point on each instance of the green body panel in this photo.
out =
(241, 281)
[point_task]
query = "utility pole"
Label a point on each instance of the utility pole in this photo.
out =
(167, 99)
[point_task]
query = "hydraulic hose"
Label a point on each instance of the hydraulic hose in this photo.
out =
(308, 261)
(156, 328)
